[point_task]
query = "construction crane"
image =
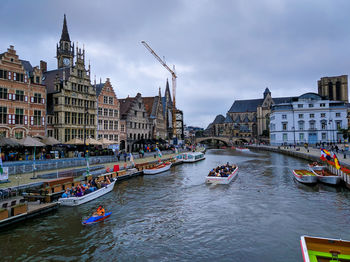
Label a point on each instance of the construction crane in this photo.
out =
(173, 78)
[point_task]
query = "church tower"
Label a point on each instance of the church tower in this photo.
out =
(65, 50)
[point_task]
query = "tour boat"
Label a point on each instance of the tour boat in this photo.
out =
(316, 166)
(157, 169)
(191, 157)
(327, 177)
(222, 180)
(95, 219)
(243, 149)
(76, 201)
(305, 176)
(324, 249)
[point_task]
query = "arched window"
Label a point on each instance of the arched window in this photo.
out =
(338, 91)
(330, 91)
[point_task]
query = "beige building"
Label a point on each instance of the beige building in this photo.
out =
(334, 88)
(22, 97)
(71, 97)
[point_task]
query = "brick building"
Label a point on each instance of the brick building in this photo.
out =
(71, 97)
(107, 112)
(22, 97)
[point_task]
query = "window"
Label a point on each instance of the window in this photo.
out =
(37, 117)
(67, 117)
(301, 116)
(311, 105)
(80, 118)
(323, 125)
(284, 126)
(115, 125)
(19, 134)
(3, 115)
(100, 111)
(3, 92)
(312, 125)
(67, 135)
(273, 137)
(37, 98)
(312, 115)
(324, 136)
(3, 74)
(301, 125)
(19, 95)
(105, 124)
(285, 137)
(135, 113)
(74, 118)
(110, 100)
(110, 125)
(130, 124)
(74, 133)
(115, 137)
(122, 128)
(300, 105)
(19, 116)
(105, 99)
(323, 114)
(284, 116)
(99, 127)
(337, 114)
(110, 112)
(301, 136)
(338, 124)
(139, 105)
(105, 112)
(92, 120)
(143, 114)
(115, 113)
(322, 105)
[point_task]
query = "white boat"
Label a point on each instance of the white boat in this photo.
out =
(76, 201)
(243, 149)
(305, 176)
(191, 157)
(222, 180)
(157, 169)
(316, 166)
(324, 249)
(327, 177)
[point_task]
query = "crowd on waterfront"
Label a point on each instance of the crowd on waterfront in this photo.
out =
(223, 171)
(86, 188)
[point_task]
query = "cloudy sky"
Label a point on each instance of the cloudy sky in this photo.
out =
(223, 50)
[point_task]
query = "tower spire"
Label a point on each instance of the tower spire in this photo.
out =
(65, 35)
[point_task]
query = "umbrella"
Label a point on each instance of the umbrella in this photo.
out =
(105, 141)
(4, 141)
(75, 141)
(50, 141)
(30, 141)
(91, 141)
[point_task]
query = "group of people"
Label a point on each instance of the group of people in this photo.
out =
(86, 188)
(222, 171)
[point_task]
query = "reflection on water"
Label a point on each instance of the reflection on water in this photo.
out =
(176, 216)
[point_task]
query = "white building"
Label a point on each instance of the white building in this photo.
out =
(310, 119)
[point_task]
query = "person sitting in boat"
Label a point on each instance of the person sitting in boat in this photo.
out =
(99, 212)
(65, 194)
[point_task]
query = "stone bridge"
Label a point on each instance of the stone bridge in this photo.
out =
(228, 141)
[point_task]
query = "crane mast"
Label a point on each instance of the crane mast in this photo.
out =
(173, 77)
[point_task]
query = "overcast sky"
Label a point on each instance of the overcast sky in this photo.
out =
(223, 50)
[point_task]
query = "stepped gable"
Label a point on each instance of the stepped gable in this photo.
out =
(49, 78)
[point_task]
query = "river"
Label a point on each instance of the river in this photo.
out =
(175, 216)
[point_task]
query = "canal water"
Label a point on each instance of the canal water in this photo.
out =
(175, 216)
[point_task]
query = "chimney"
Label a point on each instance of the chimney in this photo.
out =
(43, 66)
(107, 79)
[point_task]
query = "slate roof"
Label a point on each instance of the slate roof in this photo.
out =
(228, 119)
(219, 119)
(238, 119)
(244, 128)
(65, 35)
(125, 105)
(27, 66)
(99, 88)
(49, 78)
(150, 107)
(246, 119)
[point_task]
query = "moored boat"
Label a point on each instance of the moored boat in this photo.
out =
(305, 176)
(191, 157)
(324, 249)
(223, 179)
(75, 201)
(243, 149)
(157, 169)
(327, 177)
(95, 219)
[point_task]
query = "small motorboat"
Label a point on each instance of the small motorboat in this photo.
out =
(214, 179)
(316, 166)
(243, 149)
(327, 177)
(96, 219)
(157, 169)
(305, 176)
(324, 249)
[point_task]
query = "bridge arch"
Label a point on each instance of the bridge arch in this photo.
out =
(225, 140)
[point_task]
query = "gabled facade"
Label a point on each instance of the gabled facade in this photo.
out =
(71, 97)
(22, 97)
(107, 112)
(138, 126)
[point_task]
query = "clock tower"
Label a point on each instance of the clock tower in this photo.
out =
(65, 50)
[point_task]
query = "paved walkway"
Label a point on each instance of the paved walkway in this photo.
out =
(16, 180)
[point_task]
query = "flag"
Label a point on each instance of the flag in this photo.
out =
(325, 154)
(336, 162)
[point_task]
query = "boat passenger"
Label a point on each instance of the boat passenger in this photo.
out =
(65, 194)
(100, 211)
